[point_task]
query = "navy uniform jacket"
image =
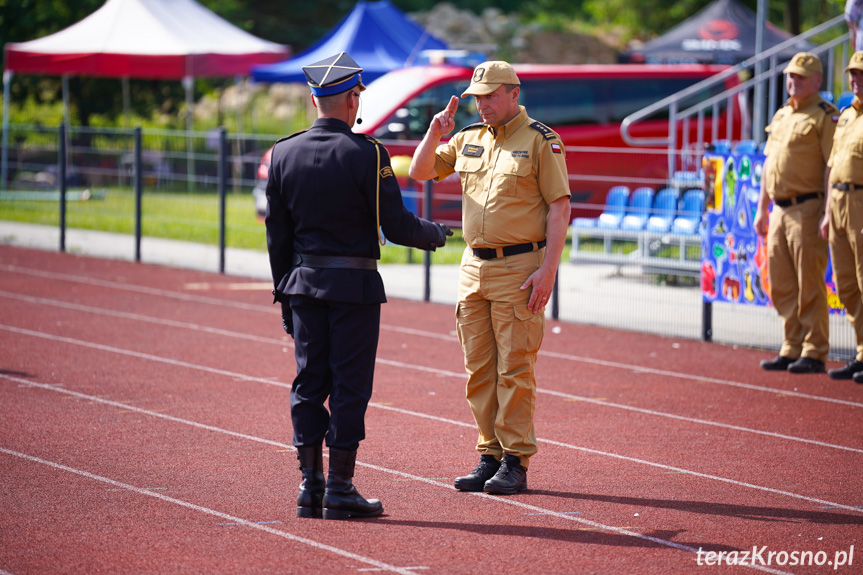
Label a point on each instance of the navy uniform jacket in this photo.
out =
(321, 200)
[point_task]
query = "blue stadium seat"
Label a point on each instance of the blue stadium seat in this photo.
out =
(745, 147)
(689, 217)
(638, 211)
(615, 206)
(720, 147)
(664, 209)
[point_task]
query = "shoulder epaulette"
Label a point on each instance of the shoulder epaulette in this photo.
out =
(291, 136)
(371, 139)
(828, 107)
(470, 126)
(544, 130)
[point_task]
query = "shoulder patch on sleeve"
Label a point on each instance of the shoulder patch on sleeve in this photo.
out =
(544, 130)
(828, 108)
(472, 126)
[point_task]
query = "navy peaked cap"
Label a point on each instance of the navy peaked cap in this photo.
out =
(333, 75)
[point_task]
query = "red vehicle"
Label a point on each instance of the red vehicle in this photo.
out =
(585, 104)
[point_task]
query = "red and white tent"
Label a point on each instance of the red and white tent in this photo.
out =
(154, 39)
(157, 39)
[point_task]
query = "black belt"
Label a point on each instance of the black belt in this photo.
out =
(846, 187)
(797, 199)
(492, 253)
(341, 262)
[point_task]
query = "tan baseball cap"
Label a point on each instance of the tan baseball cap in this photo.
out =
(856, 62)
(489, 76)
(805, 64)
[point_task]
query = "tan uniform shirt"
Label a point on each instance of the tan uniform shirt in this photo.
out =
(508, 177)
(798, 147)
(846, 160)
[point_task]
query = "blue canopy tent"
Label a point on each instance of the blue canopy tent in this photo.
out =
(377, 35)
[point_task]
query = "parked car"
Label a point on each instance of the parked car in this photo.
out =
(585, 104)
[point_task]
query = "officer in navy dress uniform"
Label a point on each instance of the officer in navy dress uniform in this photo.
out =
(329, 192)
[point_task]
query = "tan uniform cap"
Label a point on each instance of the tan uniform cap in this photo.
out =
(856, 62)
(805, 64)
(489, 76)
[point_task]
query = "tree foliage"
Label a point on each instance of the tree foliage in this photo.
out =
(301, 24)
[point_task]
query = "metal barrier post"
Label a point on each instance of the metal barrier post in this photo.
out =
(427, 214)
(222, 186)
(4, 161)
(62, 174)
(707, 321)
(139, 192)
(555, 296)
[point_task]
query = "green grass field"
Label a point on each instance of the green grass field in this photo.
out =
(181, 216)
(195, 218)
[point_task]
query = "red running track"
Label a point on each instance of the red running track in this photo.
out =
(145, 428)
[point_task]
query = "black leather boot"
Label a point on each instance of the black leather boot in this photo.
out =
(311, 497)
(509, 479)
(341, 498)
(476, 479)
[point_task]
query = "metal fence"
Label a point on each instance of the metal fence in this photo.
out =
(145, 185)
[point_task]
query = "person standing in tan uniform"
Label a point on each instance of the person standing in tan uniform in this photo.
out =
(795, 177)
(515, 217)
(844, 215)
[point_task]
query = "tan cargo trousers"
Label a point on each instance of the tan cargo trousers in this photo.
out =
(500, 338)
(797, 262)
(846, 222)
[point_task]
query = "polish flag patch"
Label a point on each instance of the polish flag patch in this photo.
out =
(556, 148)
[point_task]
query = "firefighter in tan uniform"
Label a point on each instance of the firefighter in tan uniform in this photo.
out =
(794, 177)
(844, 215)
(516, 212)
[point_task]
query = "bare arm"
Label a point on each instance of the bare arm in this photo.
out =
(422, 164)
(542, 280)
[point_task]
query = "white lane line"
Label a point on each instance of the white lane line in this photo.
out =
(145, 318)
(532, 508)
(628, 458)
(138, 289)
(240, 376)
(697, 378)
(131, 408)
(700, 421)
(403, 365)
(219, 514)
(421, 333)
(144, 356)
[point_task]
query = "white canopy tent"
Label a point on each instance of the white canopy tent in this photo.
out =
(154, 39)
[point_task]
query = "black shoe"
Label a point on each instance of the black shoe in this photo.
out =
(509, 479)
(858, 377)
(848, 371)
(484, 471)
(341, 498)
(311, 496)
(778, 363)
(807, 365)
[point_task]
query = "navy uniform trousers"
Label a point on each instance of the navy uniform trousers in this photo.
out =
(340, 367)
(326, 188)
